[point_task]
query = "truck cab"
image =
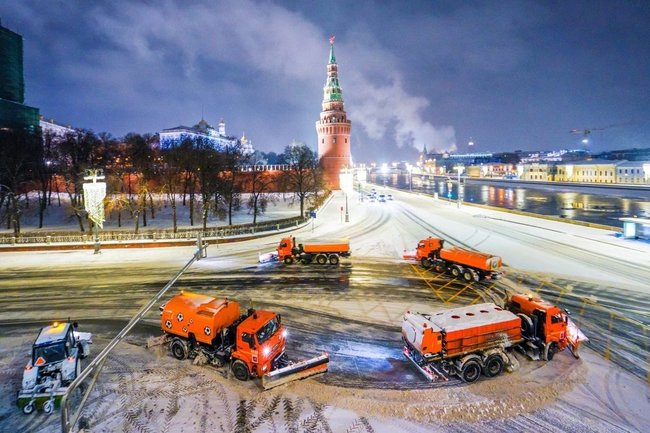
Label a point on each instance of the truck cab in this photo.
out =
(285, 249)
(541, 321)
(428, 247)
(260, 345)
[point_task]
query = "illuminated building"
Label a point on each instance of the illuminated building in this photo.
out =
(202, 132)
(333, 128)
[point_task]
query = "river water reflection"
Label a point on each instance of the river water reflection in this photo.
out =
(582, 203)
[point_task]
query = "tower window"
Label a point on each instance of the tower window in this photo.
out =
(323, 141)
(346, 141)
(334, 140)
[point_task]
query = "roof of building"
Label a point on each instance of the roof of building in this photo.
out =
(634, 164)
(591, 162)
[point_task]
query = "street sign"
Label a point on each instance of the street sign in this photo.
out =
(312, 214)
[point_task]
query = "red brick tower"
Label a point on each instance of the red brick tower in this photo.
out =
(333, 128)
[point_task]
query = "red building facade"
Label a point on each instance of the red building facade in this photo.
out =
(333, 128)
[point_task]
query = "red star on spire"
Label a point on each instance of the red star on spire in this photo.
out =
(332, 39)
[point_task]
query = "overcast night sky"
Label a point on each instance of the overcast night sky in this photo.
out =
(510, 75)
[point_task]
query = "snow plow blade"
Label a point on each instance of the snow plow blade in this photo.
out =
(409, 255)
(267, 257)
(297, 371)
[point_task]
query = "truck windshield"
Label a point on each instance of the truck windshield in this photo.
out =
(51, 353)
(267, 330)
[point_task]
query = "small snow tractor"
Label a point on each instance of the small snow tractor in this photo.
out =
(55, 362)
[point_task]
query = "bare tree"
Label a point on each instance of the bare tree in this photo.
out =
(261, 182)
(304, 176)
(79, 151)
(20, 158)
(230, 185)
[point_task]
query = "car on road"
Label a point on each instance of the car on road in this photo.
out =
(382, 198)
(389, 197)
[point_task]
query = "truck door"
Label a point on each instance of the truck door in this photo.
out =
(247, 348)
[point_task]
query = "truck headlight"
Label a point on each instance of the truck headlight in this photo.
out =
(284, 333)
(266, 351)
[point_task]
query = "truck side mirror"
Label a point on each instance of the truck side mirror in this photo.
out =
(279, 319)
(75, 324)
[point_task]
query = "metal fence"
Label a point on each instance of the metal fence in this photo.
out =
(69, 414)
(152, 235)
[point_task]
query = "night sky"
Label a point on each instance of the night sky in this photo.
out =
(507, 75)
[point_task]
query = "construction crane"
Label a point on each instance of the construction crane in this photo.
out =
(585, 132)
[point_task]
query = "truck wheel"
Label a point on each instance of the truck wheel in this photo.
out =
(240, 370)
(334, 259)
(493, 366)
(455, 271)
(48, 407)
(475, 276)
(288, 260)
(321, 259)
(467, 275)
(526, 325)
(28, 408)
(439, 268)
(470, 372)
(426, 264)
(549, 351)
(179, 349)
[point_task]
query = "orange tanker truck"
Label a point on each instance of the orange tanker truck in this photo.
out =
(253, 345)
(470, 265)
(468, 341)
(306, 253)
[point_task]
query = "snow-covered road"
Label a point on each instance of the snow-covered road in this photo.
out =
(353, 311)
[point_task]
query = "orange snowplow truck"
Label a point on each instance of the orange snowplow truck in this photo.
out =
(470, 265)
(252, 344)
(320, 252)
(468, 341)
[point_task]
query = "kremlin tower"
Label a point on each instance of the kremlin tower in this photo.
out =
(333, 128)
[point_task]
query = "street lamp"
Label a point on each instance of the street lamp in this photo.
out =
(94, 193)
(347, 185)
(409, 167)
(459, 169)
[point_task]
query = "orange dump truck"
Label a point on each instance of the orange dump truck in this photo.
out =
(253, 345)
(470, 265)
(319, 252)
(468, 341)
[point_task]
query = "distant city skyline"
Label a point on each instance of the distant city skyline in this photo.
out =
(505, 76)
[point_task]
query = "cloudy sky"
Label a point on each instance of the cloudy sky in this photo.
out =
(505, 75)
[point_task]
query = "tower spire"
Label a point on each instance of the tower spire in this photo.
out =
(333, 128)
(332, 57)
